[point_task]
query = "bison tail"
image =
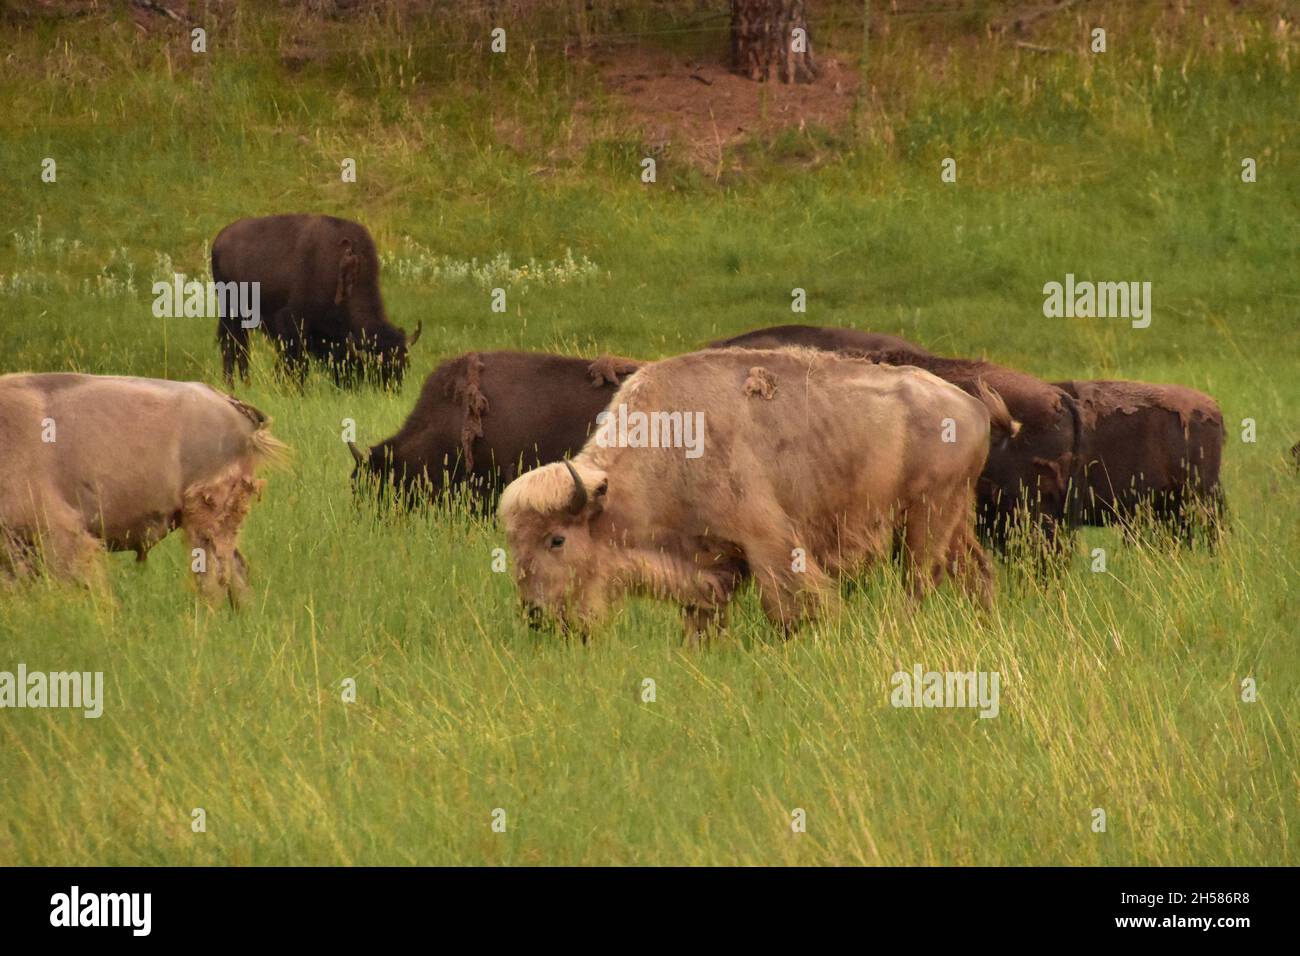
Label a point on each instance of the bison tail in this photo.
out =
(1001, 424)
(269, 449)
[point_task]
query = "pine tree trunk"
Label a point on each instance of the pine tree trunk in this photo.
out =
(764, 45)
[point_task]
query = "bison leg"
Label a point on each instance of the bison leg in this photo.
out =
(931, 531)
(1054, 542)
(791, 589)
(1197, 515)
(211, 516)
(238, 577)
(234, 349)
(69, 551)
(970, 565)
(1215, 517)
(918, 559)
(291, 344)
(17, 556)
(995, 521)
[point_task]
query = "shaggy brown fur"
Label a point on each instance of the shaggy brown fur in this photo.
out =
(761, 382)
(211, 515)
(470, 396)
(611, 370)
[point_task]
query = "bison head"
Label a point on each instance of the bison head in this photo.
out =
(378, 474)
(388, 348)
(1029, 478)
(561, 570)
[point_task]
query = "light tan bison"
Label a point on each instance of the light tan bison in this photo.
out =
(792, 466)
(95, 462)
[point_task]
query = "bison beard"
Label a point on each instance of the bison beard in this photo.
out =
(794, 492)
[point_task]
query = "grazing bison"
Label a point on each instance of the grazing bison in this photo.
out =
(318, 296)
(717, 465)
(485, 417)
(1154, 447)
(93, 462)
(827, 338)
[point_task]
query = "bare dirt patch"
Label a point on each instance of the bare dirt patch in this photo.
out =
(701, 112)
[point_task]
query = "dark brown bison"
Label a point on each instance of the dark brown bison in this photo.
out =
(1027, 475)
(484, 418)
(826, 338)
(1153, 448)
(318, 296)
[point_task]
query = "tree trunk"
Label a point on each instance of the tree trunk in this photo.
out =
(765, 44)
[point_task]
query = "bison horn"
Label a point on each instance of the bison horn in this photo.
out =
(356, 453)
(579, 499)
(415, 336)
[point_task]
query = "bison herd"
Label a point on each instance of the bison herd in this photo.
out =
(820, 451)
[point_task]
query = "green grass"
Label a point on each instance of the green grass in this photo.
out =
(1120, 690)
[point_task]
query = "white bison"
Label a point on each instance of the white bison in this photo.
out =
(90, 462)
(802, 465)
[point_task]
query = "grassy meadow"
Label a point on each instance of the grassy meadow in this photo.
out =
(1119, 690)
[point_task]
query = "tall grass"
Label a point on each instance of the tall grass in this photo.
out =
(1120, 690)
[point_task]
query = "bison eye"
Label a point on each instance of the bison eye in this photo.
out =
(557, 541)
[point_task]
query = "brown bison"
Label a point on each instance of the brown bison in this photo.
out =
(484, 418)
(718, 465)
(94, 462)
(319, 296)
(827, 338)
(1150, 447)
(1025, 477)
